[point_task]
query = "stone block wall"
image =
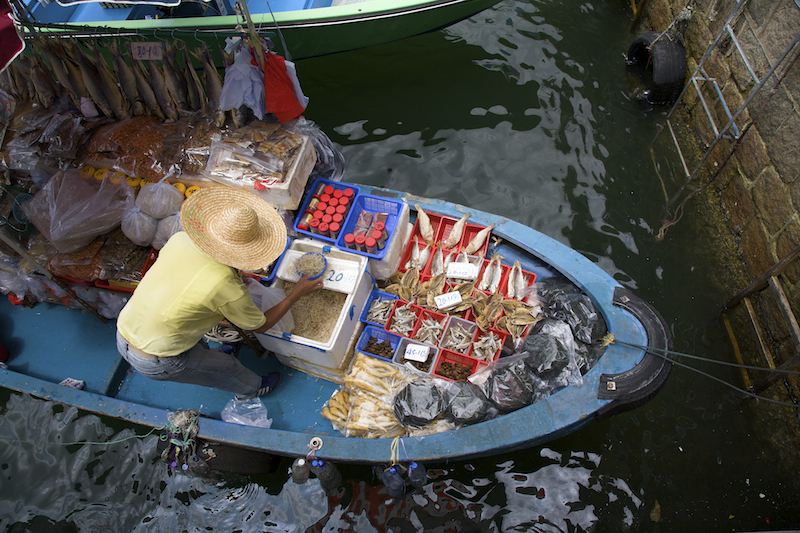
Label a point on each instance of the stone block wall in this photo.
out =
(756, 179)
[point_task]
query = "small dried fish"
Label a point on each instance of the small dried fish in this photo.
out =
(413, 261)
(403, 320)
(455, 234)
(425, 227)
(429, 331)
(511, 286)
(437, 266)
(486, 346)
(497, 274)
(458, 338)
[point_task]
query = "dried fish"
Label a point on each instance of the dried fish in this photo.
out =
(91, 79)
(379, 310)
(413, 261)
(437, 266)
(486, 346)
(458, 338)
(127, 80)
(197, 95)
(108, 84)
(175, 82)
(159, 85)
(45, 89)
(425, 227)
(403, 320)
(429, 331)
(145, 90)
(455, 234)
(477, 241)
(59, 71)
(497, 273)
(213, 84)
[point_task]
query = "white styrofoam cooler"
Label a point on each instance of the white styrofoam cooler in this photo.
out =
(299, 352)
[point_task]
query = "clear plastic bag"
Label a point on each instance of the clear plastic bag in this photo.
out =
(552, 354)
(71, 210)
(138, 226)
(267, 298)
(159, 200)
(167, 227)
(246, 413)
(239, 167)
(330, 161)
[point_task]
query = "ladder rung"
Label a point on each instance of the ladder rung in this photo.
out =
(736, 352)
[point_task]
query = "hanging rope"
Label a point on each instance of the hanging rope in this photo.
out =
(609, 339)
(684, 16)
(105, 443)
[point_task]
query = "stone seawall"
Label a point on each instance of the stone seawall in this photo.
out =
(753, 181)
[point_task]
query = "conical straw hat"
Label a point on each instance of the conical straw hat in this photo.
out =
(235, 227)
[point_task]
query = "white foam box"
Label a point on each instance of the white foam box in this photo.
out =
(331, 374)
(354, 281)
(288, 193)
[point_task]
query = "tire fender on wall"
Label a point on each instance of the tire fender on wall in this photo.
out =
(665, 57)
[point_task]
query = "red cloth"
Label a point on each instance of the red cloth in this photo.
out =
(11, 44)
(279, 90)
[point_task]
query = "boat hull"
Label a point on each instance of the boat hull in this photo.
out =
(637, 376)
(306, 33)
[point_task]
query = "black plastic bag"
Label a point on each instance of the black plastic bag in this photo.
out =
(419, 403)
(564, 301)
(510, 386)
(467, 404)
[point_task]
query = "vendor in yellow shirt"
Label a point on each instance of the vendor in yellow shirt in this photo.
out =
(195, 284)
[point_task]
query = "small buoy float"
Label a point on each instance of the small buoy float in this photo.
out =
(663, 56)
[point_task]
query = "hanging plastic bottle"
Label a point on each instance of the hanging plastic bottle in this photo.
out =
(329, 476)
(300, 470)
(394, 482)
(417, 475)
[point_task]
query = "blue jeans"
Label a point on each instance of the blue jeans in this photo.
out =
(198, 366)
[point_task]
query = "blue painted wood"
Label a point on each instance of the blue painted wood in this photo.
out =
(295, 405)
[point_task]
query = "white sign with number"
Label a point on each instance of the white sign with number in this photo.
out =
(147, 51)
(448, 299)
(459, 270)
(417, 352)
(337, 279)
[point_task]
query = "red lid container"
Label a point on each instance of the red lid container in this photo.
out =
(329, 189)
(314, 225)
(333, 201)
(350, 240)
(338, 218)
(341, 209)
(327, 219)
(338, 193)
(348, 192)
(325, 198)
(318, 214)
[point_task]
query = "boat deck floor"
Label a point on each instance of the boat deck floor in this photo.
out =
(39, 339)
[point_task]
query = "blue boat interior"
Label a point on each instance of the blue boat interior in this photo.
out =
(99, 12)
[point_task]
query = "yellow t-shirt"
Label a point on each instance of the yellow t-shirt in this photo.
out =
(183, 295)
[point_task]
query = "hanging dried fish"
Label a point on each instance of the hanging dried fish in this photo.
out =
(57, 68)
(173, 78)
(159, 86)
(213, 84)
(108, 84)
(196, 93)
(145, 90)
(70, 64)
(45, 89)
(90, 79)
(127, 80)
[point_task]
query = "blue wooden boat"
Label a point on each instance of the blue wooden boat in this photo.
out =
(308, 28)
(49, 343)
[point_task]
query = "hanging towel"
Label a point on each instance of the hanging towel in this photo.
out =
(11, 44)
(280, 90)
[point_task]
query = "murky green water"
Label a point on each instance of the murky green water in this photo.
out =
(524, 110)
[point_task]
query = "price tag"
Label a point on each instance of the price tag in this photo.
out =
(460, 270)
(147, 51)
(417, 352)
(342, 280)
(448, 299)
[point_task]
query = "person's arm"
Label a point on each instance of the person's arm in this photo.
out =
(274, 314)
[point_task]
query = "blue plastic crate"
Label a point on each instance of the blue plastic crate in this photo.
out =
(381, 335)
(374, 204)
(374, 295)
(310, 194)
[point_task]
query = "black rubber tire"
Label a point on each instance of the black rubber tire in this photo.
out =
(666, 59)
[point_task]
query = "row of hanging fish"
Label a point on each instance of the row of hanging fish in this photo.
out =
(127, 87)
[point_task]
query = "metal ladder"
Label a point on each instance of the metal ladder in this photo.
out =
(700, 77)
(769, 279)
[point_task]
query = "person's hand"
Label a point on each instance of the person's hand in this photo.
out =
(306, 286)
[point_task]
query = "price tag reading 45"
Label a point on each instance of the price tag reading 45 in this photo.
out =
(147, 51)
(417, 352)
(341, 280)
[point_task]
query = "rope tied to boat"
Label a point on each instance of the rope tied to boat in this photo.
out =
(609, 339)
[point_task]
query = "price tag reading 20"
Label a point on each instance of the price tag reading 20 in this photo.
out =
(448, 299)
(340, 280)
(147, 51)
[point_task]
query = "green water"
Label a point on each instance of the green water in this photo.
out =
(524, 110)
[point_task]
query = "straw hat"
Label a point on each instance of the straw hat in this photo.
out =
(234, 226)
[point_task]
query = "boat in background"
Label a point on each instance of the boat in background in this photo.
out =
(623, 376)
(299, 28)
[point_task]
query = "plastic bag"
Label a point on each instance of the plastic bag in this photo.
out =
(564, 301)
(71, 211)
(509, 383)
(247, 413)
(467, 404)
(138, 226)
(167, 227)
(159, 200)
(235, 166)
(244, 85)
(330, 161)
(419, 403)
(552, 354)
(267, 298)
